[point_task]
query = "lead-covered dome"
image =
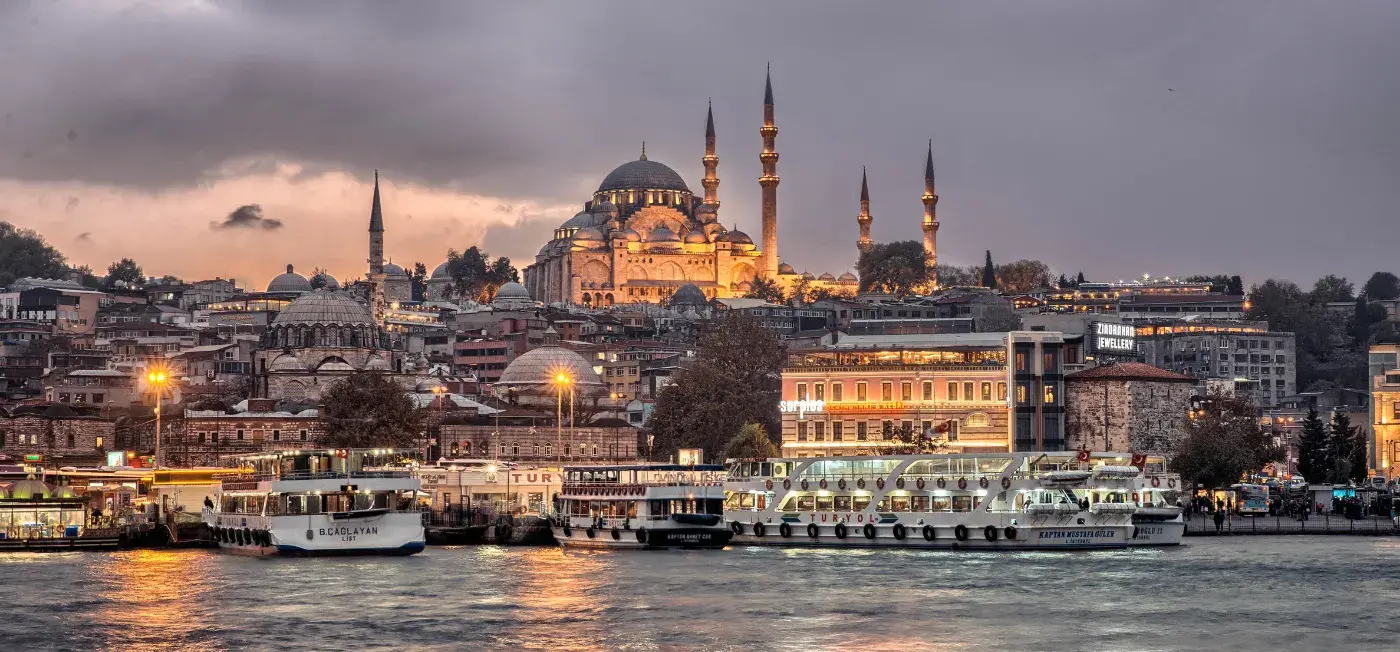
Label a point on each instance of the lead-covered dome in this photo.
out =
(289, 282)
(689, 295)
(538, 372)
(441, 273)
(643, 175)
(324, 318)
(394, 271)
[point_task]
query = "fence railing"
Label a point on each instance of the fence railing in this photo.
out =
(1327, 523)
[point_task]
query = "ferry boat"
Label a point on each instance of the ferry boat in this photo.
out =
(993, 501)
(642, 506)
(1158, 519)
(321, 502)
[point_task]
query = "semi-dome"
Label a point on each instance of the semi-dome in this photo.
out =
(629, 234)
(696, 237)
(286, 362)
(689, 295)
(289, 282)
(326, 280)
(587, 234)
(784, 268)
(662, 234)
(826, 276)
(734, 237)
(643, 175)
(538, 372)
(376, 363)
(324, 307)
(579, 221)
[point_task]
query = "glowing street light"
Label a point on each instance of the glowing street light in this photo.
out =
(156, 379)
(561, 380)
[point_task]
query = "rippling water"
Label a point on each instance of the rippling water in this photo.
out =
(1246, 593)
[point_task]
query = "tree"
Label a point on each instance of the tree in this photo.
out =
(1331, 288)
(989, 272)
(999, 318)
(1079, 280)
(751, 443)
(825, 293)
(1223, 442)
(766, 289)
(1062, 283)
(1382, 286)
(1277, 302)
(475, 276)
(800, 292)
(420, 282)
(734, 380)
(952, 276)
(125, 270)
(369, 410)
(1348, 450)
(905, 440)
(1235, 286)
(24, 253)
(86, 277)
(318, 278)
(899, 268)
(1022, 276)
(1314, 450)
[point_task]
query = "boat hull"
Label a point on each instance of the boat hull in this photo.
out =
(1158, 533)
(318, 535)
(656, 539)
(945, 536)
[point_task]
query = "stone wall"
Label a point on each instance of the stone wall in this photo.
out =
(208, 440)
(57, 438)
(1142, 416)
(585, 445)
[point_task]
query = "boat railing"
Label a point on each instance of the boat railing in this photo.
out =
(318, 475)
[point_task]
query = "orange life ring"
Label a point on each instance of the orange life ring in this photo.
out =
(1156, 482)
(982, 482)
(768, 484)
(919, 483)
(1006, 483)
(962, 483)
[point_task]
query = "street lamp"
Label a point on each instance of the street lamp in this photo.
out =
(156, 379)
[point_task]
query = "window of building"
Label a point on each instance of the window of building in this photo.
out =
(906, 391)
(801, 391)
(967, 392)
(1022, 393)
(1049, 393)
(72, 441)
(801, 431)
(1395, 408)
(548, 449)
(1021, 362)
(818, 392)
(302, 435)
(595, 450)
(986, 391)
(836, 391)
(1001, 391)
(214, 437)
(276, 435)
(63, 397)
(861, 432)
(887, 391)
(861, 388)
(952, 391)
(99, 397)
(836, 430)
(886, 429)
(928, 390)
(906, 426)
(238, 434)
(819, 429)
(2, 441)
(1049, 359)
(199, 437)
(503, 449)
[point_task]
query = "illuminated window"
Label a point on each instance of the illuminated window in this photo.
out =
(1049, 394)
(861, 391)
(1001, 391)
(928, 390)
(1021, 362)
(818, 392)
(986, 391)
(836, 391)
(887, 391)
(906, 391)
(952, 391)
(1022, 393)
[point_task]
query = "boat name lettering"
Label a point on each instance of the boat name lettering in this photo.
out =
(1077, 534)
(546, 478)
(702, 477)
(346, 533)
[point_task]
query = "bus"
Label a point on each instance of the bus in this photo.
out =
(1251, 499)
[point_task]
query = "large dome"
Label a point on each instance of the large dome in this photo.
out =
(441, 273)
(537, 372)
(513, 290)
(326, 308)
(289, 282)
(643, 175)
(689, 295)
(394, 271)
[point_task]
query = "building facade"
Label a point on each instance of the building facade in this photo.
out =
(1127, 406)
(210, 436)
(1384, 371)
(56, 434)
(1260, 364)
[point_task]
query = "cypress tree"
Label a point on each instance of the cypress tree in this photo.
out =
(1314, 449)
(1079, 281)
(1348, 449)
(989, 273)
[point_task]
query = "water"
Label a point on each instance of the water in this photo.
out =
(1244, 593)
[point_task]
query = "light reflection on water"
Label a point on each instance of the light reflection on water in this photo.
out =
(1295, 593)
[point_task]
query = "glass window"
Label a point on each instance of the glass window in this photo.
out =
(861, 391)
(1049, 359)
(302, 434)
(238, 434)
(952, 391)
(819, 392)
(1021, 362)
(986, 391)
(801, 431)
(928, 390)
(1001, 391)
(967, 392)
(836, 431)
(276, 435)
(1022, 393)
(819, 429)
(887, 391)
(861, 431)
(1049, 393)
(836, 391)
(886, 429)
(801, 391)
(906, 391)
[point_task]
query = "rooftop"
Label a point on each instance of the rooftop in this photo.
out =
(1129, 371)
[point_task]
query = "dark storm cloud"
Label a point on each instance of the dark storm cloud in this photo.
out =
(247, 217)
(1055, 134)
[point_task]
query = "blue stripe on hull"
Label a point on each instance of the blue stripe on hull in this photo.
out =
(411, 548)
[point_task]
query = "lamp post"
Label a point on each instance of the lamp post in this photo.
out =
(156, 379)
(560, 381)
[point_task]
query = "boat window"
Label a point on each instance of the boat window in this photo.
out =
(762, 501)
(860, 503)
(883, 505)
(746, 501)
(731, 499)
(843, 503)
(942, 504)
(962, 503)
(806, 503)
(789, 504)
(918, 503)
(899, 503)
(823, 503)
(713, 506)
(632, 508)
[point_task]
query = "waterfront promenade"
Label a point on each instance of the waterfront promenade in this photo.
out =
(1202, 525)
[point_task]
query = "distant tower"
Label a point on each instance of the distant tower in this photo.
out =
(769, 181)
(930, 224)
(864, 219)
(376, 255)
(711, 161)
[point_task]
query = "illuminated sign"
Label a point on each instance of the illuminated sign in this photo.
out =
(1109, 337)
(855, 406)
(801, 407)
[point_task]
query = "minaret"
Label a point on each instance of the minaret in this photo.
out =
(711, 162)
(375, 277)
(864, 219)
(769, 157)
(930, 199)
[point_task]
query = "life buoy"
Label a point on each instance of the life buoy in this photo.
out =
(982, 482)
(1010, 533)
(860, 483)
(641, 535)
(821, 484)
(1156, 482)
(787, 483)
(841, 484)
(868, 530)
(247, 536)
(812, 530)
(879, 483)
(928, 533)
(990, 532)
(840, 530)
(617, 534)
(919, 483)
(737, 527)
(960, 532)
(758, 529)
(942, 482)
(590, 533)
(267, 539)
(962, 483)
(804, 484)
(1006, 483)
(899, 531)
(1171, 483)
(784, 530)
(899, 483)
(768, 484)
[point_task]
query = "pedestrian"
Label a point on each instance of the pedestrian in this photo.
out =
(1219, 519)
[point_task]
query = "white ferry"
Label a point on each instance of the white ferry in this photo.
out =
(1158, 517)
(312, 503)
(963, 501)
(642, 506)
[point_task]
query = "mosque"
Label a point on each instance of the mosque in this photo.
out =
(644, 235)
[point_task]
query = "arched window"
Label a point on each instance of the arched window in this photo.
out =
(466, 448)
(548, 449)
(515, 448)
(582, 450)
(535, 450)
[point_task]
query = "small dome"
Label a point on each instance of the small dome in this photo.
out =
(734, 237)
(588, 234)
(325, 280)
(689, 295)
(289, 282)
(784, 268)
(376, 363)
(286, 362)
(536, 371)
(545, 250)
(809, 276)
(643, 175)
(696, 237)
(64, 491)
(579, 221)
(440, 272)
(30, 489)
(513, 290)
(428, 385)
(324, 307)
(394, 271)
(826, 276)
(628, 234)
(662, 234)
(605, 208)
(848, 278)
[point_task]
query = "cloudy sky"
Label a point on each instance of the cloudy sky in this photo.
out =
(1114, 137)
